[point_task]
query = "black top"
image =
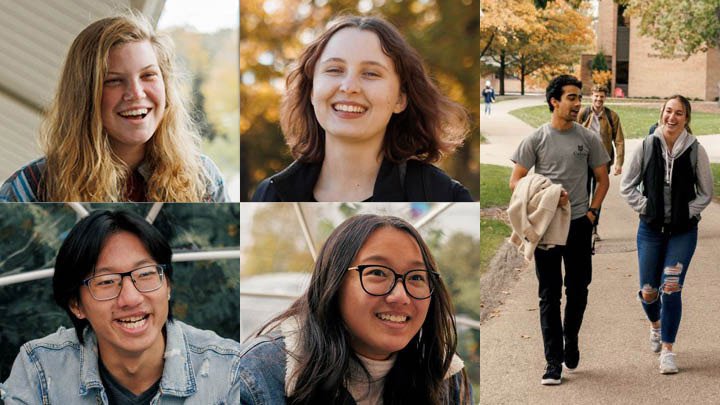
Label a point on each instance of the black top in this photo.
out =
(119, 395)
(410, 181)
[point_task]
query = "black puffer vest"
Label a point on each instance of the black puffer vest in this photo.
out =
(681, 193)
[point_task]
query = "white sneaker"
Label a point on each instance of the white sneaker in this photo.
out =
(667, 363)
(655, 340)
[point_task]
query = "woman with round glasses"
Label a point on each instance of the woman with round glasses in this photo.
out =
(118, 128)
(375, 326)
(365, 122)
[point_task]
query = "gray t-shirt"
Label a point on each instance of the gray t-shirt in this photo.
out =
(564, 158)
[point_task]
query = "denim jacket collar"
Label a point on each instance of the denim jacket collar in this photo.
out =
(178, 377)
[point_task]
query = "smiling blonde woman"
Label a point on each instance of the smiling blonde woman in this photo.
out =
(117, 129)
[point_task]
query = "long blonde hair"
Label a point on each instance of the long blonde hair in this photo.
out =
(80, 162)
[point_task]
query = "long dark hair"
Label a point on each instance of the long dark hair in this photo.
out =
(431, 125)
(418, 375)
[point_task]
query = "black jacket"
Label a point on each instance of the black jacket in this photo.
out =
(681, 192)
(410, 181)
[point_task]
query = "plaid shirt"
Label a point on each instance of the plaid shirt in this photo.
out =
(26, 184)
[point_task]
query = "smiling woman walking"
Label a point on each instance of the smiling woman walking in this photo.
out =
(118, 129)
(365, 122)
(669, 184)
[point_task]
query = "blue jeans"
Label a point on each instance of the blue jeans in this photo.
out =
(664, 260)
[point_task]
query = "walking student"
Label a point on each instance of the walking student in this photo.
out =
(673, 171)
(562, 150)
(489, 96)
(606, 123)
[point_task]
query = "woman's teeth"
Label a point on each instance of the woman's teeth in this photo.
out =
(392, 318)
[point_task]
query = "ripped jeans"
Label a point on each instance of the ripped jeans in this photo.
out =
(664, 261)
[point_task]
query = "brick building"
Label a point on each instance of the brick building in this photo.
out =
(637, 68)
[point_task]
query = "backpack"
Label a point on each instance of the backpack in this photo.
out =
(586, 112)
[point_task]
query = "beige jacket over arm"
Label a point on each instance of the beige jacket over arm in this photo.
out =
(535, 217)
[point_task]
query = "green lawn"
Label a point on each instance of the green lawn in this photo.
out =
(492, 234)
(635, 120)
(716, 178)
(494, 192)
(494, 189)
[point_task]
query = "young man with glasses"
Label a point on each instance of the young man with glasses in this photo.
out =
(113, 276)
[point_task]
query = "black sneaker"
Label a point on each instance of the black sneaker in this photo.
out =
(553, 374)
(572, 354)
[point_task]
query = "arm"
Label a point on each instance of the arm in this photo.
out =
(631, 180)
(619, 145)
(603, 184)
(518, 173)
(704, 183)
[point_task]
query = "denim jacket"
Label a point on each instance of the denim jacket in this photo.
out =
(266, 370)
(200, 368)
(26, 184)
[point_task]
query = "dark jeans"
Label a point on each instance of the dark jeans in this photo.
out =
(664, 258)
(578, 274)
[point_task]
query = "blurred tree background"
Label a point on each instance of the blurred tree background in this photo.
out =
(205, 293)
(209, 61)
(274, 32)
(273, 242)
(532, 39)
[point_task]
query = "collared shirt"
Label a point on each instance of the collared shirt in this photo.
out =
(26, 184)
(200, 368)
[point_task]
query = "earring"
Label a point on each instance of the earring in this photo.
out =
(168, 296)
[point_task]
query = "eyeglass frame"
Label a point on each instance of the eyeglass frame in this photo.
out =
(161, 272)
(361, 267)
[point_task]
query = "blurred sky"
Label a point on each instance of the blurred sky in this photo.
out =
(204, 15)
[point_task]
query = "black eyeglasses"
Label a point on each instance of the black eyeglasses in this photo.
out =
(108, 286)
(380, 280)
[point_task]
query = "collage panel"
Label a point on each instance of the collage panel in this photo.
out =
(368, 101)
(599, 201)
(343, 296)
(108, 301)
(119, 100)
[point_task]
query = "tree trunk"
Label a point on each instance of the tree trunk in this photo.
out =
(501, 73)
(522, 78)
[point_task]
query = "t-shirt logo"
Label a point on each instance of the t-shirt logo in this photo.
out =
(582, 152)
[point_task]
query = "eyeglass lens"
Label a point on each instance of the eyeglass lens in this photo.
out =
(108, 286)
(379, 281)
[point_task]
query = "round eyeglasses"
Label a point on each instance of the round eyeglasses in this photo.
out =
(108, 286)
(380, 280)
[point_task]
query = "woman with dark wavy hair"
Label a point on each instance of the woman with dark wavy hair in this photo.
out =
(364, 121)
(375, 326)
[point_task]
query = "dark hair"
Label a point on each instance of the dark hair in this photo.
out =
(417, 376)
(430, 126)
(686, 104)
(555, 88)
(79, 253)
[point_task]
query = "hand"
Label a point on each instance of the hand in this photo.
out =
(591, 217)
(563, 198)
(618, 170)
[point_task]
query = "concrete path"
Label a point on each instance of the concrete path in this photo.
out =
(616, 364)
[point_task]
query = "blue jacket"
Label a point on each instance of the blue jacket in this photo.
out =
(263, 367)
(200, 368)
